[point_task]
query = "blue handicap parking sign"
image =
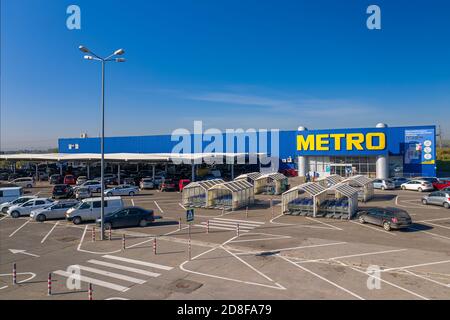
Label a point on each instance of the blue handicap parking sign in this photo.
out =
(189, 215)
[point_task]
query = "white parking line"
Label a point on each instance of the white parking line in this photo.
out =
(240, 221)
(326, 224)
(428, 279)
(26, 222)
(112, 274)
(353, 255)
(132, 202)
(138, 262)
(373, 228)
(4, 217)
(322, 278)
(212, 226)
(291, 248)
(97, 282)
(159, 208)
(416, 265)
(124, 268)
(46, 236)
(182, 206)
(233, 224)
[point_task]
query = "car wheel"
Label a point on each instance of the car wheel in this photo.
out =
(41, 218)
(420, 190)
(131, 193)
(29, 186)
(387, 226)
(15, 214)
(143, 223)
(425, 202)
(361, 220)
(383, 188)
(403, 188)
(4, 210)
(107, 225)
(446, 205)
(76, 220)
(109, 194)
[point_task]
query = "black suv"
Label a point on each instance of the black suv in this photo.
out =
(62, 191)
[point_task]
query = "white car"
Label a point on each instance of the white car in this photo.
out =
(5, 206)
(146, 183)
(57, 210)
(89, 209)
(93, 185)
(24, 209)
(417, 185)
(122, 190)
(24, 182)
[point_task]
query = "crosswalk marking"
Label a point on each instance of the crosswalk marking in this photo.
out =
(97, 282)
(124, 268)
(233, 226)
(240, 221)
(221, 228)
(229, 223)
(138, 262)
(111, 274)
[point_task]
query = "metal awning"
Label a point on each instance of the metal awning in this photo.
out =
(205, 185)
(310, 187)
(233, 186)
(252, 176)
(359, 180)
(273, 176)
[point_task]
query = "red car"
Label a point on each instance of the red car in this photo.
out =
(69, 179)
(168, 185)
(441, 184)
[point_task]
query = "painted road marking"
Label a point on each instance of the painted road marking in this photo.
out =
(28, 221)
(291, 248)
(159, 208)
(124, 268)
(211, 226)
(373, 228)
(138, 262)
(326, 224)
(46, 236)
(240, 221)
(97, 282)
(182, 206)
(112, 274)
(353, 255)
(416, 265)
(230, 224)
(428, 279)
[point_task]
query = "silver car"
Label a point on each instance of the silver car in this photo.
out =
(5, 206)
(439, 198)
(122, 190)
(83, 193)
(146, 183)
(25, 208)
(383, 184)
(55, 211)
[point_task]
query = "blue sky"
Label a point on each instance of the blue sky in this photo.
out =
(231, 63)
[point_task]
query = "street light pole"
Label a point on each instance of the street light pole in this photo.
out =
(102, 138)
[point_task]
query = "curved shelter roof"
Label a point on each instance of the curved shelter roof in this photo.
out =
(274, 176)
(359, 180)
(206, 184)
(310, 187)
(251, 176)
(233, 186)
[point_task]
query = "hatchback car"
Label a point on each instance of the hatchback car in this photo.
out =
(83, 193)
(24, 182)
(128, 217)
(81, 180)
(146, 183)
(383, 184)
(24, 209)
(61, 191)
(122, 190)
(93, 185)
(57, 210)
(168, 185)
(417, 185)
(398, 181)
(441, 184)
(69, 179)
(439, 198)
(388, 218)
(5, 206)
(56, 179)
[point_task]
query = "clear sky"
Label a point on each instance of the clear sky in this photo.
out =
(231, 63)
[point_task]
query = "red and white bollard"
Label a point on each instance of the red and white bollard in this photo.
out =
(207, 226)
(154, 245)
(237, 229)
(123, 241)
(49, 284)
(14, 274)
(90, 292)
(93, 234)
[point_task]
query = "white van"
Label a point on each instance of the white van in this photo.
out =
(10, 194)
(89, 209)
(24, 182)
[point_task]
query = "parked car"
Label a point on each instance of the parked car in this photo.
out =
(441, 184)
(89, 209)
(168, 185)
(24, 182)
(61, 191)
(69, 179)
(6, 205)
(81, 180)
(24, 209)
(388, 218)
(398, 181)
(417, 185)
(158, 180)
(429, 179)
(383, 184)
(8, 194)
(43, 176)
(93, 185)
(122, 190)
(57, 210)
(83, 193)
(128, 217)
(129, 181)
(439, 198)
(146, 183)
(182, 183)
(56, 179)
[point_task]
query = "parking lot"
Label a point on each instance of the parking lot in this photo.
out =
(273, 257)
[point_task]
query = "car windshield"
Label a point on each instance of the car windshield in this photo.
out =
(397, 212)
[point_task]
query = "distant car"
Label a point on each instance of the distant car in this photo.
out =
(61, 191)
(56, 179)
(383, 184)
(93, 185)
(146, 183)
(417, 185)
(69, 179)
(182, 183)
(439, 198)
(24, 209)
(168, 185)
(441, 184)
(90, 209)
(158, 180)
(398, 181)
(122, 190)
(128, 217)
(5, 206)
(81, 180)
(43, 176)
(57, 210)
(429, 179)
(83, 193)
(388, 218)
(129, 181)
(24, 182)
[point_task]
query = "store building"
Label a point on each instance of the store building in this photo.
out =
(381, 151)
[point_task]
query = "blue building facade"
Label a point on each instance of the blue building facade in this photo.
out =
(408, 151)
